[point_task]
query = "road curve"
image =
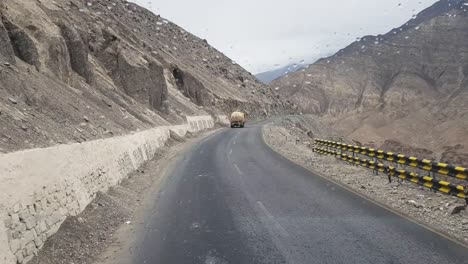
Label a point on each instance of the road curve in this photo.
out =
(231, 199)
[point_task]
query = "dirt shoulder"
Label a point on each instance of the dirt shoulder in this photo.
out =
(105, 228)
(433, 210)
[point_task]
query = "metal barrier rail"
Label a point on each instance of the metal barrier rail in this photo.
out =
(426, 181)
(424, 164)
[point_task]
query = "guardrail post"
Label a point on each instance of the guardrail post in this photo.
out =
(465, 190)
(399, 181)
(376, 171)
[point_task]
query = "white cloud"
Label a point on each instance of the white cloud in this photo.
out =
(261, 33)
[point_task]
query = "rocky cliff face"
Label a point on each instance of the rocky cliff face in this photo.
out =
(76, 70)
(410, 84)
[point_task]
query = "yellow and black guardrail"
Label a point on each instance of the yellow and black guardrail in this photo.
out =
(424, 164)
(426, 181)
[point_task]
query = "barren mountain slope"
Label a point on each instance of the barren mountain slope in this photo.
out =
(74, 70)
(409, 85)
(269, 76)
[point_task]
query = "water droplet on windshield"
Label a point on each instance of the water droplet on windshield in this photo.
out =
(195, 225)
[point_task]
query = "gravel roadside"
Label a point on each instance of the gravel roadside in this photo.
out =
(434, 210)
(95, 235)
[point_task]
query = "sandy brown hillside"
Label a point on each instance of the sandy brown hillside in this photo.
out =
(76, 70)
(409, 85)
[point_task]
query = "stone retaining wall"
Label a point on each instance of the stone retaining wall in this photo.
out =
(39, 188)
(199, 122)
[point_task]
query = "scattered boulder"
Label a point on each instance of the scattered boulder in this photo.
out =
(414, 203)
(94, 206)
(12, 100)
(456, 208)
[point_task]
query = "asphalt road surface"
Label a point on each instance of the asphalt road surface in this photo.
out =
(231, 199)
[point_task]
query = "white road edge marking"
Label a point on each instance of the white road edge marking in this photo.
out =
(238, 170)
(272, 218)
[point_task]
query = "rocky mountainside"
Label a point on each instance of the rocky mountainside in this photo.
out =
(409, 85)
(75, 70)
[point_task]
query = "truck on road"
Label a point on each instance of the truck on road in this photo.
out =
(237, 119)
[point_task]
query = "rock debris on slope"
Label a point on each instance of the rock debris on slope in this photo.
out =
(74, 70)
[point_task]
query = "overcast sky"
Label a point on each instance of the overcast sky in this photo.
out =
(262, 35)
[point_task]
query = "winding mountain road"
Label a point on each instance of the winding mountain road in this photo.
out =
(231, 199)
